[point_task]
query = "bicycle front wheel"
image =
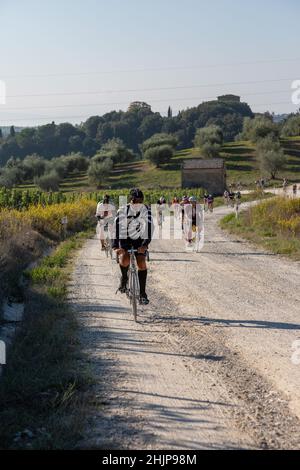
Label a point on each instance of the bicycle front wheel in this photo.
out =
(133, 295)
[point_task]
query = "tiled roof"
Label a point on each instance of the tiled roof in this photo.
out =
(197, 163)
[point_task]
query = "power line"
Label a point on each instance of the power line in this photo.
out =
(126, 102)
(84, 116)
(154, 69)
(137, 90)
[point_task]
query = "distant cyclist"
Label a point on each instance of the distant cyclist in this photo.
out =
(237, 198)
(160, 208)
(133, 229)
(176, 206)
(226, 197)
(105, 214)
(189, 218)
(294, 190)
(205, 201)
(184, 201)
(210, 202)
(231, 197)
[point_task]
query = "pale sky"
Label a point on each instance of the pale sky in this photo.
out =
(89, 57)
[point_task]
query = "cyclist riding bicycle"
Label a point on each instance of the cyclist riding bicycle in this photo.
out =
(184, 201)
(176, 206)
(237, 198)
(294, 189)
(160, 207)
(190, 219)
(231, 196)
(285, 185)
(226, 197)
(105, 214)
(210, 202)
(205, 201)
(133, 229)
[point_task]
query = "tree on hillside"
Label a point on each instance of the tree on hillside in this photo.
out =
(159, 149)
(211, 150)
(75, 143)
(12, 131)
(98, 172)
(291, 127)
(76, 162)
(209, 139)
(117, 151)
(159, 155)
(48, 182)
(150, 125)
(208, 135)
(169, 112)
(34, 166)
(46, 140)
(259, 128)
(159, 139)
(91, 126)
(270, 156)
(139, 105)
(133, 127)
(11, 176)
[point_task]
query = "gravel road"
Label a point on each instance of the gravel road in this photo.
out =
(209, 363)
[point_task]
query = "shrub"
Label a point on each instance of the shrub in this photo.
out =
(291, 127)
(259, 128)
(49, 181)
(34, 166)
(270, 155)
(159, 155)
(212, 135)
(157, 140)
(210, 150)
(98, 172)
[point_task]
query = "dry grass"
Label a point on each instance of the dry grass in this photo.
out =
(274, 224)
(42, 390)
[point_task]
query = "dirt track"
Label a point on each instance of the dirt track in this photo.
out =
(208, 366)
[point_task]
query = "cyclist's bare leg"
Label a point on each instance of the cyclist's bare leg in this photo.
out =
(102, 236)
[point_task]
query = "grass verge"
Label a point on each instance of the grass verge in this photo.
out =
(42, 403)
(273, 224)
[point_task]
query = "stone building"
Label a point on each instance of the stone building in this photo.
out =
(209, 174)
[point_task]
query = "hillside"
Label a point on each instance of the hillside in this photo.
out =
(240, 163)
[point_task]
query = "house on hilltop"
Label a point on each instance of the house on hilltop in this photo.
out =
(209, 174)
(229, 98)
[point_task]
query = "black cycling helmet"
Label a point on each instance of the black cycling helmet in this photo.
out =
(136, 193)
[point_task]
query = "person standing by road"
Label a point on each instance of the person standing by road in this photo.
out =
(105, 213)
